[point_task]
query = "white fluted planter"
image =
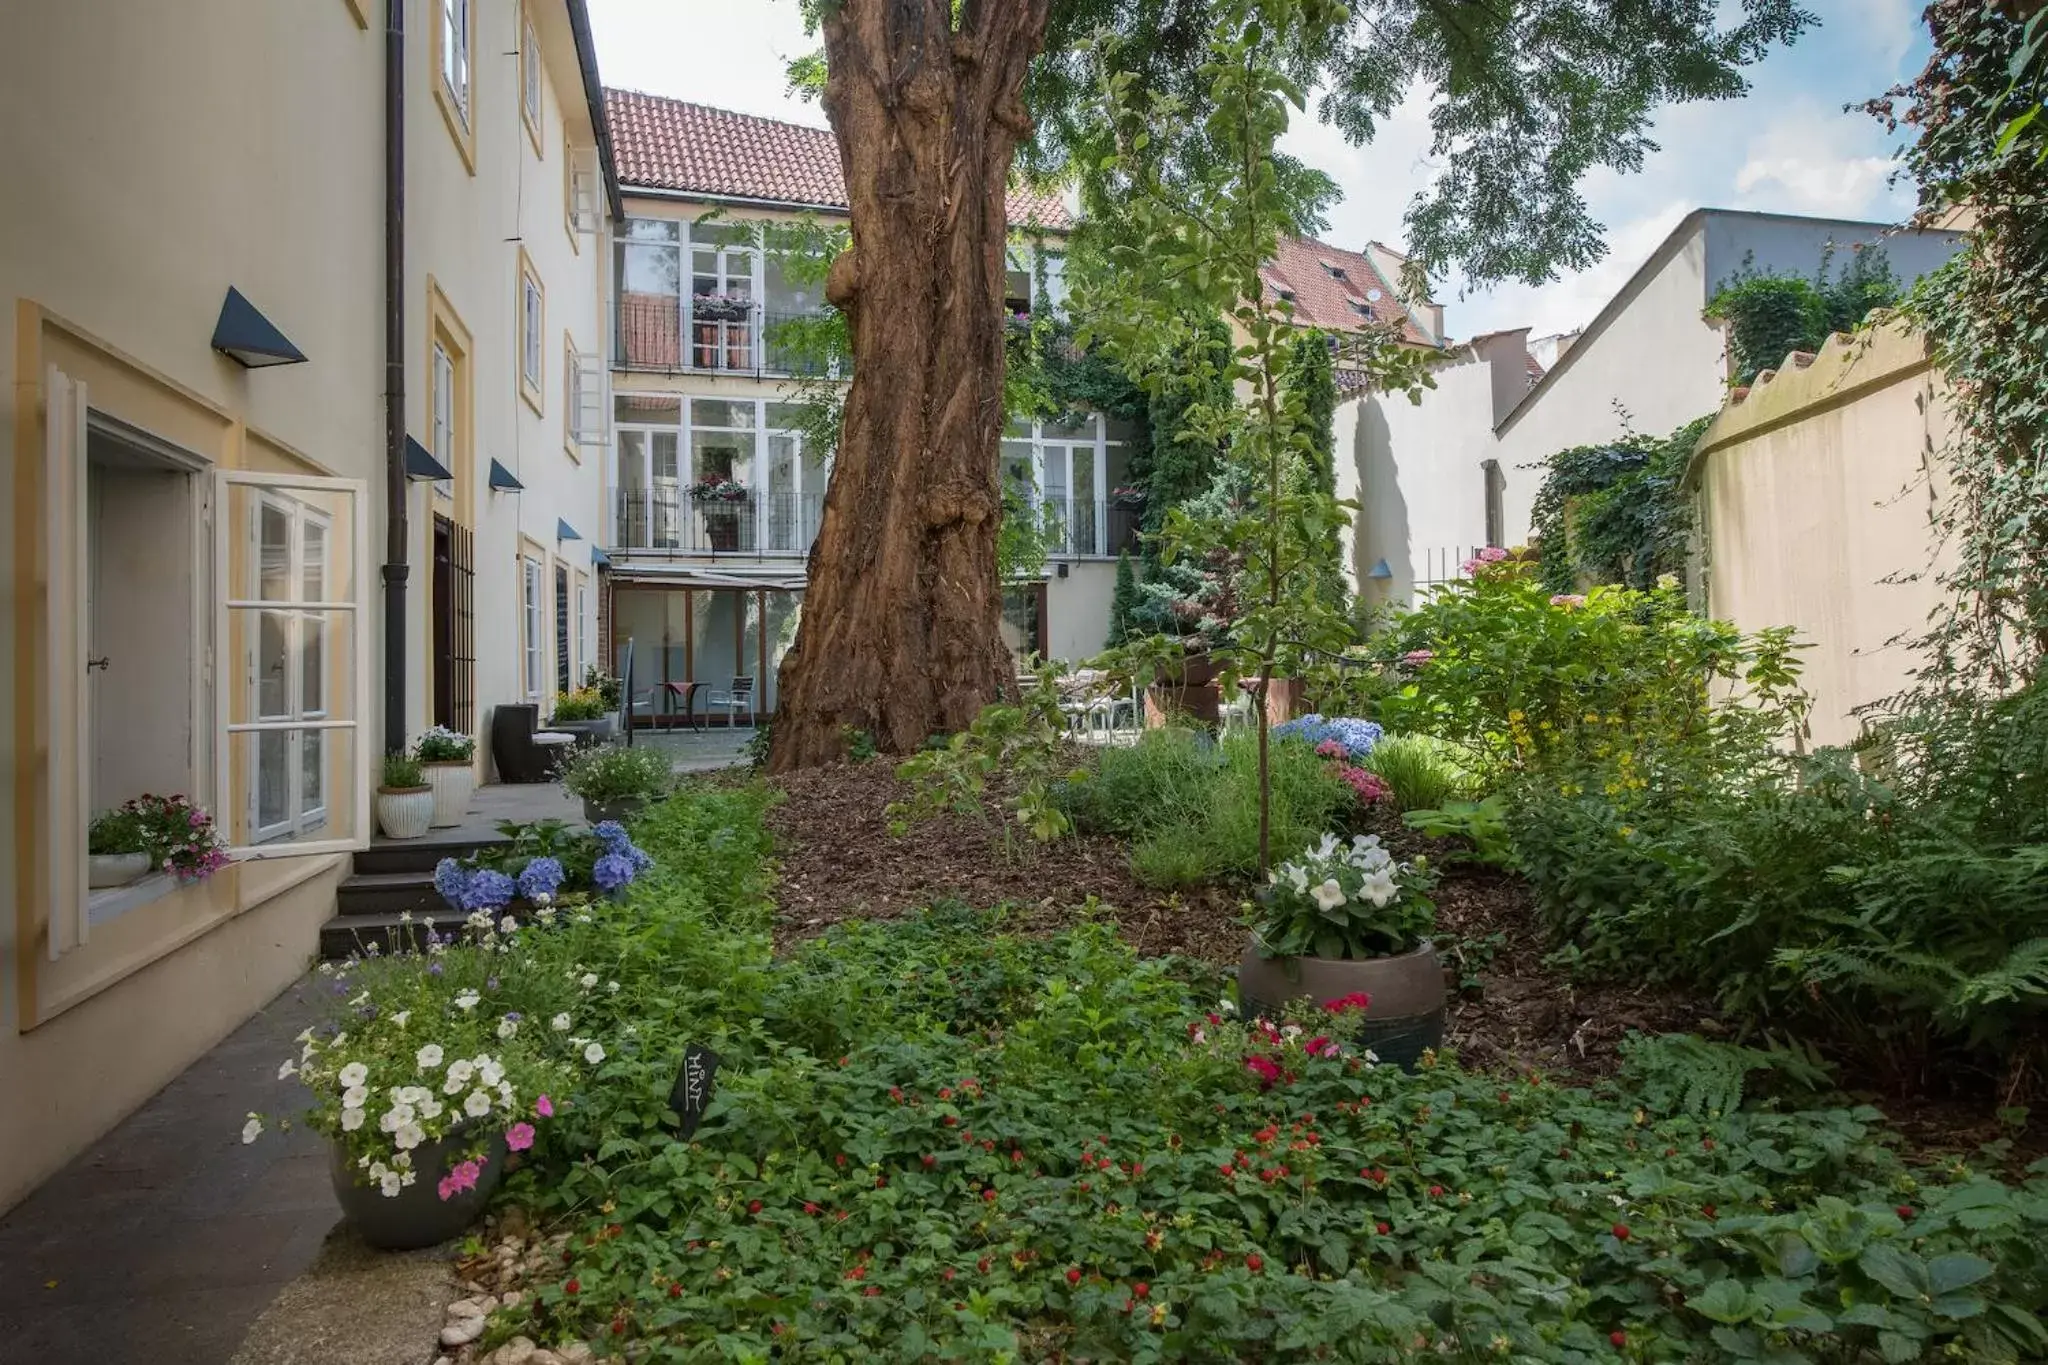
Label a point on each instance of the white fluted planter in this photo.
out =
(453, 784)
(405, 812)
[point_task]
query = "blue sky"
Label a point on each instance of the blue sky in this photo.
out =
(1787, 146)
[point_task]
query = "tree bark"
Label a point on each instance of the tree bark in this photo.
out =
(901, 628)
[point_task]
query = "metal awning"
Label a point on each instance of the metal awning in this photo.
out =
(771, 576)
(502, 480)
(248, 338)
(421, 466)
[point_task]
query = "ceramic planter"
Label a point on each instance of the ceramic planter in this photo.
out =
(417, 1216)
(405, 812)
(103, 870)
(453, 784)
(1407, 992)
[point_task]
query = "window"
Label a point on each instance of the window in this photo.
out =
(454, 69)
(706, 295)
(532, 322)
(530, 84)
(1335, 272)
(565, 631)
(444, 418)
(1360, 307)
(287, 665)
(580, 188)
(455, 54)
(586, 651)
(1070, 470)
(532, 639)
(1496, 496)
(698, 475)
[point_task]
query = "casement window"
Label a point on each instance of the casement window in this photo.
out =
(532, 321)
(532, 637)
(583, 383)
(455, 55)
(581, 187)
(715, 474)
(287, 667)
(586, 626)
(1070, 471)
(530, 83)
(444, 433)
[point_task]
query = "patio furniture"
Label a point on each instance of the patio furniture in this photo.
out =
(522, 751)
(1237, 711)
(687, 691)
(733, 700)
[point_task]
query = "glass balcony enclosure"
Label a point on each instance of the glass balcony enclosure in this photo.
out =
(705, 297)
(712, 476)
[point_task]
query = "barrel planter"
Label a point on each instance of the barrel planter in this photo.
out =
(405, 812)
(453, 784)
(417, 1216)
(1405, 1017)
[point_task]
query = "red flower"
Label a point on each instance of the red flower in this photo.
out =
(1707, 1209)
(675, 1291)
(1073, 1274)
(1618, 1338)
(880, 1181)
(811, 1209)
(1706, 1144)
(952, 1120)
(844, 1060)
(840, 1160)
(573, 1287)
(1905, 1212)
(1228, 1170)
(982, 1265)
(1620, 1231)
(872, 1290)
(947, 1274)
(618, 1327)
(1141, 1289)
(1017, 1157)
(1253, 1263)
(945, 1092)
(753, 1206)
(896, 1093)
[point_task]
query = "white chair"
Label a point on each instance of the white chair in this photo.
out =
(1237, 711)
(733, 700)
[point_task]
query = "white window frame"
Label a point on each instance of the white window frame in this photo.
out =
(63, 702)
(532, 312)
(1071, 448)
(586, 652)
(355, 610)
(530, 99)
(533, 626)
(686, 463)
(455, 55)
(299, 519)
(442, 398)
(585, 215)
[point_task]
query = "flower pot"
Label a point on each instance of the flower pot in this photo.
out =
(405, 812)
(453, 784)
(114, 869)
(587, 732)
(1165, 705)
(597, 812)
(417, 1216)
(1407, 991)
(723, 530)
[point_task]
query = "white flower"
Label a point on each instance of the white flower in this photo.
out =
(360, 1001)
(543, 900)
(1329, 895)
(507, 1027)
(252, 1130)
(453, 1085)
(378, 1169)
(430, 1109)
(407, 1176)
(412, 1094)
(459, 1071)
(594, 1053)
(505, 1091)
(561, 1023)
(351, 1119)
(355, 1097)
(396, 1117)
(1328, 847)
(352, 1075)
(1297, 877)
(587, 980)
(399, 1018)
(1226, 1007)
(408, 1136)
(429, 1057)
(338, 1040)
(391, 1184)
(546, 915)
(1379, 887)
(612, 986)
(287, 1071)
(492, 1071)
(507, 925)
(403, 1161)
(1291, 1032)
(1201, 1037)
(305, 1035)
(583, 919)
(476, 1103)
(467, 1001)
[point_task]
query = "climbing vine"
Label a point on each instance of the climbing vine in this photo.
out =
(1770, 315)
(1614, 512)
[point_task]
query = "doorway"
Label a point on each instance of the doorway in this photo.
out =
(453, 628)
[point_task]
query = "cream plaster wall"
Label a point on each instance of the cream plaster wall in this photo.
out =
(1814, 491)
(1077, 608)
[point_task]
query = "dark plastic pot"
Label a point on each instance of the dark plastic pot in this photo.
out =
(1407, 991)
(417, 1216)
(597, 812)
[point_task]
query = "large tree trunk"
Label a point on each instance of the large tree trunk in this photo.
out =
(901, 629)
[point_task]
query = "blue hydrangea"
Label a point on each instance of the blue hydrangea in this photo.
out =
(452, 881)
(612, 871)
(611, 834)
(1357, 736)
(489, 889)
(540, 877)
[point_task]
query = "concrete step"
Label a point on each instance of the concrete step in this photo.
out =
(420, 855)
(389, 893)
(346, 934)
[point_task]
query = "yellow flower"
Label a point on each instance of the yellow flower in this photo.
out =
(1592, 718)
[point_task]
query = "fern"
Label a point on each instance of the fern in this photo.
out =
(1681, 1073)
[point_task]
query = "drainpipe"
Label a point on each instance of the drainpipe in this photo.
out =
(395, 489)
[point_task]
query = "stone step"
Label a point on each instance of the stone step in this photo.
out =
(347, 934)
(389, 893)
(420, 855)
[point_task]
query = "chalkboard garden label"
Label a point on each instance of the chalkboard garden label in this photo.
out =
(692, 1090)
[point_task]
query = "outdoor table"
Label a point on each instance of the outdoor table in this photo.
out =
(688, 693)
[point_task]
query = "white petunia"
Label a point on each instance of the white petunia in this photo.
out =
(400, 1017)
(1329, 895)
(396, 1117)
(476, 1103)
(1226, 1007)
(414, 1094)
(505, 1091)
(287, 1071)
(378, 1169)
(507, 925)
(352, 1075)
(492, 1072)
(507, 1027)
(561, 1023)
(460, 1070)
(1379, 887)
(337, 1041)
(355, 1097)
(430, 1109)
(252, 1130)
(587, 980)
(467, 1001)
(453, 1086)
(407, 1177)
(305, 1035)
(351, 1119)
(408, 1137)
(360, 1001)
(594, 1053)
(403, 1161)
(429, 1057)
(391, 1184)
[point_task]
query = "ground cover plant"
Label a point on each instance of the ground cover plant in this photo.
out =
(939, 1139)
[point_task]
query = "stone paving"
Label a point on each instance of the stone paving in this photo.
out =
(164, 1242)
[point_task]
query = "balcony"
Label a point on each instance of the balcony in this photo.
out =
(655, 334)
(668, 522)
(1092, 530)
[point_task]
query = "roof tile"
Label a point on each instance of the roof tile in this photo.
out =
(1332, 289)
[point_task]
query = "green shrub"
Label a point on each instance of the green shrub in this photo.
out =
(117, 831)
(608, 773)
(402, 772)
(1483, 824)
(1422, 772)
(583, 703)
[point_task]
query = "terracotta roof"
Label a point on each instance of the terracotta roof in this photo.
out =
(1332, 288)
(670, 144)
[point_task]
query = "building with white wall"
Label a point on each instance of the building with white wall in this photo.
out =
(200, 344)
(1461, 469)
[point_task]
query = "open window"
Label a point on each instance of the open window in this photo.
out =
(292, 763)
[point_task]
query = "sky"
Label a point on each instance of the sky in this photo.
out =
(1788, 146)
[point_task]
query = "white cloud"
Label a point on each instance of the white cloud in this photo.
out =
(711, 52)
(1807, 162)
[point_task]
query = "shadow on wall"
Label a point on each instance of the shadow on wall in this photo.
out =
(1382, 525)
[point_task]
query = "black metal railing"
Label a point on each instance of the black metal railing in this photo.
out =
(672, 522)
(1089, 530)
(665, 334)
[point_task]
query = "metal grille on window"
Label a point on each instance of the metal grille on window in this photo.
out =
(563, 626)
(462, 580)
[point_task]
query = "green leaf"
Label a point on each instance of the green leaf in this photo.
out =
(1899, 1271)
(1957, 1270)
(1724, 1301)
(1897, 1348)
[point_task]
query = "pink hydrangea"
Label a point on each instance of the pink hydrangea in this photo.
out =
(1333, 748)
(1568, 600)
(1368, 787)
(1416, 658)
(1492, 554)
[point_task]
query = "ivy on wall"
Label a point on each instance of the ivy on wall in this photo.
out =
(1771, 315)
(1614, 513)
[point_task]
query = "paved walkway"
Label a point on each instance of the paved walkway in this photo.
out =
(165, 1241)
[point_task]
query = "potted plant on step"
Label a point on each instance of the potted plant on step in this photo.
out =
(583, 712)
(405, 803)
(1344, 919)
(615, 782)
(117, 849)
(449, 757)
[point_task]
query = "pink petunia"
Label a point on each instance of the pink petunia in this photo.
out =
(519, 1136)
(545, 1107)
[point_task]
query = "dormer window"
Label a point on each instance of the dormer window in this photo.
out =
(1286, 295)
(1361, 307)
(1336, 271)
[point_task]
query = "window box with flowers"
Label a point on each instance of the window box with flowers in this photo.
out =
(720, 307)
(722, 502)
(1128, 498)
(1347, 925)
(449, 757)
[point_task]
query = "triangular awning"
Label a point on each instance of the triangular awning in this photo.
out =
(564, 531)
(420, 464)
(248, 338)
(502, 480)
